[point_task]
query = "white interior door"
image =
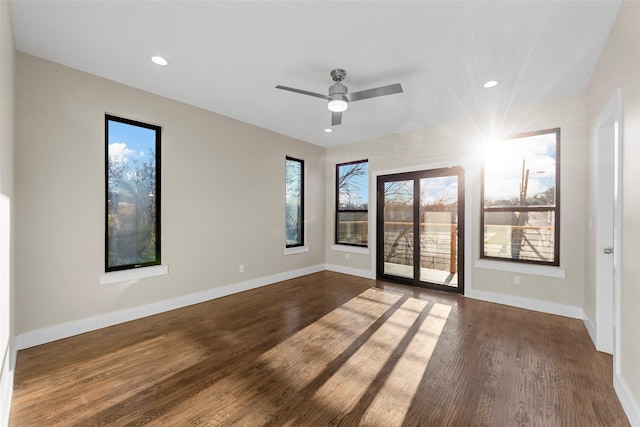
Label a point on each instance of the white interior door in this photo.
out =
(607, 234)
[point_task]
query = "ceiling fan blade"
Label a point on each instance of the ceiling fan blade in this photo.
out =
(372, 93)
(304, 92)
(336, 118)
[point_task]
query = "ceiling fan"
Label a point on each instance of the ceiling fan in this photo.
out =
(339, 97)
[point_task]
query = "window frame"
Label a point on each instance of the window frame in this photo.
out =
(157, 195)
(554, 209)
(302, 196)
(338, 210)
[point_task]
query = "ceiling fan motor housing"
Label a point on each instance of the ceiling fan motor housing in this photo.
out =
(338, 95)
(338, 91)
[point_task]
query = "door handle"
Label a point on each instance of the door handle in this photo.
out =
(608, 251)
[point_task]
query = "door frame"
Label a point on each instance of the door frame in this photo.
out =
(607, 297)
(416, 174)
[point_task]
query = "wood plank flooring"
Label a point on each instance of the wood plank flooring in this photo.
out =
(324, 349)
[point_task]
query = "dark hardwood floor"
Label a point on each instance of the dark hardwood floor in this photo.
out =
(323, 349)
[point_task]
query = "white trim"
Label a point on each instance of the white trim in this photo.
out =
(527, 303)
(515, 267)
(617, 232)
(6, 384)
(629, 403)
(591, 328)
(367, 274)
(68, 329)
(133, 274)
(352, 249)
(296, 250)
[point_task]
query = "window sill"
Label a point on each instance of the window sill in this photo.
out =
(352, 249)
(296, 250)
(133, 274)
(536, 270)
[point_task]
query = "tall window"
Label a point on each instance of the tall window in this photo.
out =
(352, 203)
(521, 199)
(294, 202)
(132, 194)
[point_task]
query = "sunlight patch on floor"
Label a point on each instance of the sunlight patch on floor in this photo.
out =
(349, 384)
(401, 385)
(301, 359)
(361, 361)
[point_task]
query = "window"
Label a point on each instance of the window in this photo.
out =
(294, 202)
(352, 197)
(521, 199)
(132, 194)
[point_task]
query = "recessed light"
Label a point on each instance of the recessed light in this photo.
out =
(159, 60)
(490, 84)
(328, 130)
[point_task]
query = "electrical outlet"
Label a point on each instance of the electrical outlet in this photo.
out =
(241, 269)
(346, 256)
(516, 280)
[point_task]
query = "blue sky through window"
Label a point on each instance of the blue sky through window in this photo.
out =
(129, 141)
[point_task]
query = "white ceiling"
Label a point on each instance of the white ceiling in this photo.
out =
(227, 57)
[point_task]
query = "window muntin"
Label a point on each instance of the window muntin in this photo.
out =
(132, 194)
(520, 199)
(352, 203)
(294, 202)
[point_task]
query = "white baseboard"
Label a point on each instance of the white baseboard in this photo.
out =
(591, 328)
(367, 274)
(527, 303)
(629, 403)
(515, 301)
(6, 384)
(65, 330)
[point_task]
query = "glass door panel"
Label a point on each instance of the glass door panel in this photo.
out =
(398, 242)
(419, 237)
(439, 230)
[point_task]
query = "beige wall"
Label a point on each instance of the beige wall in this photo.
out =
(222, 197)
(618, 68)
(7, 53)
(458, 143)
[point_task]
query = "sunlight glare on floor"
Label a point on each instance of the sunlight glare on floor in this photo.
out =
(401, 385)
(304, 358)
(321, 342)
(370, 365)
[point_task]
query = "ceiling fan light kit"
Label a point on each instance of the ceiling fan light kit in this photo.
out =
(339, 97)
(338, 105)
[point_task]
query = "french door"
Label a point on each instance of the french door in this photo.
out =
(420, 228)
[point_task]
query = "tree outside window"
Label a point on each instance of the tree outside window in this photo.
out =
(352, 201)
(294, 202)
(520, 199)
(132, 193)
